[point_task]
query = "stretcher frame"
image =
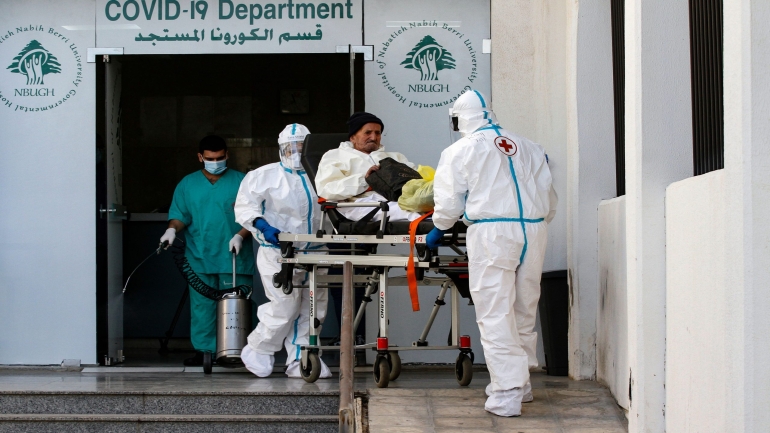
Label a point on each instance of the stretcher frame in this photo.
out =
(387, 365)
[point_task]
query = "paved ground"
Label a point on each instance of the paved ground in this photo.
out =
(420, 402)
(423, 399)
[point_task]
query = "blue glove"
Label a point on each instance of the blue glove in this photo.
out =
(270, 232)
(434, 238)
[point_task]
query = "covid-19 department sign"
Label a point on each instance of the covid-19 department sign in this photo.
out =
(426, 64)
(40, 68)
(227, 26)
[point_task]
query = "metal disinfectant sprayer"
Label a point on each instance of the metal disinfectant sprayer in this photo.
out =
(233, 325)
(233, 309)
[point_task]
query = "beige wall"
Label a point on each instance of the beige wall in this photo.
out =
(528, 92)
(552, 82)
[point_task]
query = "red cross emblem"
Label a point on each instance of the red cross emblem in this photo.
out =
(506, 145)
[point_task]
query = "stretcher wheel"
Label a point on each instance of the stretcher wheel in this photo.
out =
(464, 369)
(423, 254)
(395, 365)
(207, 362)
(381, 371)
(312, 370)
(289, 287)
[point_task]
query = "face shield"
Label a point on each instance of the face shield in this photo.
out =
(291, 154)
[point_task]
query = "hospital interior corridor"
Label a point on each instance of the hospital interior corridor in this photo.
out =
(166, 104)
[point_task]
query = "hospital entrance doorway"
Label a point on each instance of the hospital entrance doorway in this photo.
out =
(152, 111)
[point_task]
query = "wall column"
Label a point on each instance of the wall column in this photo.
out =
(658, 152)
(590, 169)
(747, 165)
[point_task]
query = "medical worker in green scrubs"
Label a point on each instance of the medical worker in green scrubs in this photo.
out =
(203, 204)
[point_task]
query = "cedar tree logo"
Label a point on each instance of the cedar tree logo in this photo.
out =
(35, 62)
(429, 57)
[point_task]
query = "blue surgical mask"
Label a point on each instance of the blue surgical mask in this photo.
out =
(215, 167)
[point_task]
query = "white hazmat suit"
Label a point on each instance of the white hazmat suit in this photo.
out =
(281, 194)
(342, 177)
(500, 184)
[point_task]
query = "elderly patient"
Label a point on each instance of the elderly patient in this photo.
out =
(342, 172)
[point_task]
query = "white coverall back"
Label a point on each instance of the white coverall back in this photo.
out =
(285, 199)
(500, 184)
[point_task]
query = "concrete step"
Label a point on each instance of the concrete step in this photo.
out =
(114, 423)
(199, 403)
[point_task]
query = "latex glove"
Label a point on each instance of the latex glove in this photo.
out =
(169, 236)
(270, 232)
(434, 238)
(236, 243)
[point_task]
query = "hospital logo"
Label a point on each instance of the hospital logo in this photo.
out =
(44, 68)
(426, 64)
(35, 62)
(428, 57)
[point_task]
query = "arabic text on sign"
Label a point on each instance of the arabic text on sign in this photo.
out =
(230, 38)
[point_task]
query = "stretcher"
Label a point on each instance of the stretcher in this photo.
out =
(357, 242)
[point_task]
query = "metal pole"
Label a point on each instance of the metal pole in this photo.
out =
(436, 305)
(352, 79)
(370, 288)
(346, 412)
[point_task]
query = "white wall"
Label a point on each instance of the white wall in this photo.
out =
(612, 316)
(658, 152)
(529, 97)
(591, 168)
(696, 305)
(47, 191)
(747, 160)
(552, 82)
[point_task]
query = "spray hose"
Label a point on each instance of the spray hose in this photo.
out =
(177, 252)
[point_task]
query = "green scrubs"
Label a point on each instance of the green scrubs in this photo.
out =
(207, 213)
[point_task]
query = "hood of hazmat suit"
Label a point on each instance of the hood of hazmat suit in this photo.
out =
(472, 112)
(500, 184)
(290, 142)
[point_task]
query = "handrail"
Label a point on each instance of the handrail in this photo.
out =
(346, 411)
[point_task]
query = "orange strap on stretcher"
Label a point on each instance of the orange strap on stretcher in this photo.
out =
(411, 277)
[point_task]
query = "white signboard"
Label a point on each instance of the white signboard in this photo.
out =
(227, 26)
(47, 119)
(426, 54)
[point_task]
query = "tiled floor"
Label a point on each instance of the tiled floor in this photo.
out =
(433, 402)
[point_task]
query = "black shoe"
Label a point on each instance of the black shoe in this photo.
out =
(195, 361)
